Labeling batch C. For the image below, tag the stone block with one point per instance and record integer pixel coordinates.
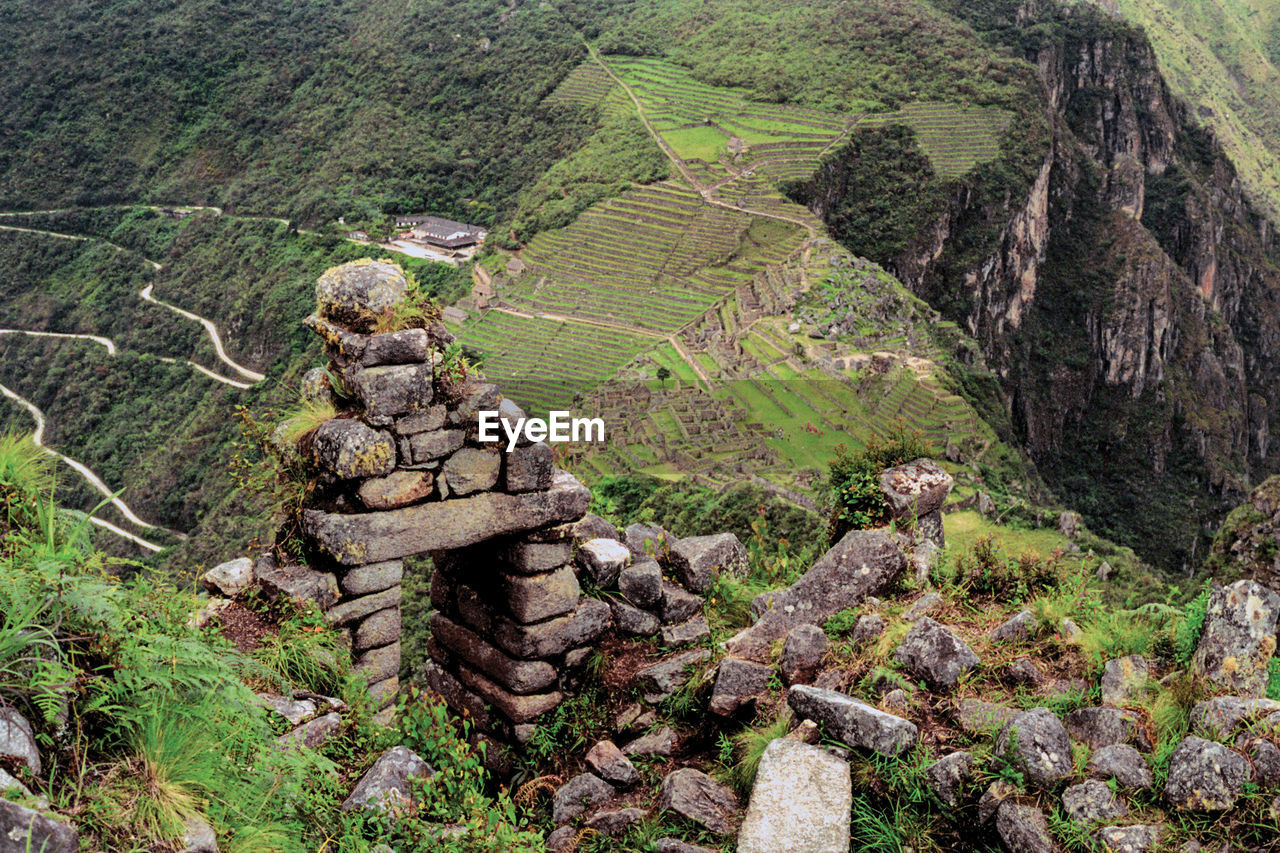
(530, 468)
(678, 604)
(456, 696)
(518, 708)
(641, 583)
(374, 577)
(348, 448)
(299, 584)
(23, 830)
(555, 636)
(230, 578)
(390, 534)
(397, 489)
(379, 664)
(429, 419)
(533, 598)
(533, 557)
(354, 609)
(798, 818)
(518, 676)
(470, 470)
(915, 489)
(393, 390)
(603, 560)
(407, 346)
(377, 629)
(633, 620)
(697, 560)
(427, 446)
(355, 292)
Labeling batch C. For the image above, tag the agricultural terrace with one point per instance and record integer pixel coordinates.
(954, 138)
(543, 364)
(586, 86)
(699, 121)
(652, 259)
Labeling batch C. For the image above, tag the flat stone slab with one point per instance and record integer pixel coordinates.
(376, 536)
(852, 721)
(800, 802)
(518, 676)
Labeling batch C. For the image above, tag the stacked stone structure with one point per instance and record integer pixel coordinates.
(403, 472)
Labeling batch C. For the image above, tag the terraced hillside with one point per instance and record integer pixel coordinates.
(954, 138)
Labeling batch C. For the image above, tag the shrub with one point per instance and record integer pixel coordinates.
(853, 481)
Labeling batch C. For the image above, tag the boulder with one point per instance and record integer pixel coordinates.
(472, 470)
(811, 817)
(647, 540)
(660, 743)
(405, 346)
(1099, 726)
(1023, 829)
(696, 560)
(737, 683)
(1220, 716)
(312, 735)
(24, 830)
(633, 620)
(915, 489)
(386, 783)
(935, 653)
(602, 560)
(678, 604)
(1122, 763)
(1021, 626)
(664, 678)
(1090, 802)
(608, 762)
(641, 584)
(397, 489)
(355, 292)
(1130, 839)
(18, 740)
(390, 391)
(1038, 744)
(852, 721)
(687, 633)
(579, 794)
(230, 578)
(861, 564)
(443, 525)
(1205, 776)
(802, 654)
(1239, 637)
(315, 388)
(948, 775)
(348, 448)
(1124, 680)
(559, 840)
(694, 795)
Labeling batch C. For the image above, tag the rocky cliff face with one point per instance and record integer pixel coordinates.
(1129, 302)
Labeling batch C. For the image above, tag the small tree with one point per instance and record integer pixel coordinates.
(663, 375)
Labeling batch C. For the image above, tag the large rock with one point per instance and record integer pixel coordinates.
(518, 676)
(697, 560)
(198, 837)
(1222, 715)
(694, 795)
(1090, 802)
(391, 391)
(356, 292)
(298, 584)
(518, 708)
(378, 664)
(1239, 637)
(377, 629)
(660, 743)
(1023, 829)
(802, 654)
(737, 683)
(1122, 763)
(1038, 744)
(948, 775)
(426, 447)
(686, 633)
(1124, 680)
(530, 468)
(608, 762)
(861, 564)
(24, 830)
(1018, 627)
(647, 540)
(580, 793)
(554, 636)
(444, 525)
(1205, 776)
(312, 735)
(915, 489)
(348, 448)
(531, 558)
(641, 584)
(664, 678)
(603, 560)
(1099, 726)
(633, 620)
(800, 802)
(386, 783)
(614, 822)
(854, 722)
(678, 604)
(935, 653)
(18, 740)
(230, 578)
(355, 609)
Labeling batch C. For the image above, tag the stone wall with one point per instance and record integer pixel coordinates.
(403, 472)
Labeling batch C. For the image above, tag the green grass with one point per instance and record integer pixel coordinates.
(697, 143)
